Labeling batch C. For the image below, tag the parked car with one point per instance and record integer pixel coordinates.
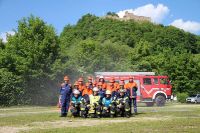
(193, 99)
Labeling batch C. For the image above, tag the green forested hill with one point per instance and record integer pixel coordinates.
(97, 44)
(34, 60)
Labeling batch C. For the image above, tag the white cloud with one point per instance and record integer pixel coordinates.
(3, 35)
(156, 13)
(190, 26)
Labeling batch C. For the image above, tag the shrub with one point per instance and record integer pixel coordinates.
(182, 97)
(11, 90)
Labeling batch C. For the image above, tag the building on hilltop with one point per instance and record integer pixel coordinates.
(129, 16)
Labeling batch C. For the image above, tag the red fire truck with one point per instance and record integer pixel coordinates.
(151, 89)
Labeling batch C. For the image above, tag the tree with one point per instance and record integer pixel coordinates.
(30, 53)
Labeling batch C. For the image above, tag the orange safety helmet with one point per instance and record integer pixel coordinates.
(66, 78)
(80, 80)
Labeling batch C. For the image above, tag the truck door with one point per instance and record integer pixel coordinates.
(146, 87)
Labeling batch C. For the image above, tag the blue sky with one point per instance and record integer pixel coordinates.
(180, 13)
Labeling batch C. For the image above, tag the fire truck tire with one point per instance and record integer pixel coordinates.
(160, 100)
(149, 104)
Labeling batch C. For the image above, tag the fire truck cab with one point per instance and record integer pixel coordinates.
(151, 89)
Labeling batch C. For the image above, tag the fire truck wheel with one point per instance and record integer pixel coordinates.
(149, 104)
(160, 100)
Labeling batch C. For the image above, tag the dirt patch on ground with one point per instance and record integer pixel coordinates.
(90, 122)
(27, 112)
(8, 129)
(75, 123)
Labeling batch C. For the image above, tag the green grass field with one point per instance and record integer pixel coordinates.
(171, 118)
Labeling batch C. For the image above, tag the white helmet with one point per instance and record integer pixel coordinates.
(77, 92)
(108, 92)
(101, 77)
(95, 89)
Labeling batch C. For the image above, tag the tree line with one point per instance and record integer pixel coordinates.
(35, 59)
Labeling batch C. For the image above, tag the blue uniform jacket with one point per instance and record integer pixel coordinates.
(107, 101)
(76, 100)
(65, 93)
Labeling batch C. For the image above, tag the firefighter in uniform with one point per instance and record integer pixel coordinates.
(107, 101)
(85, 100)
(94, 106)
(75, 103)
(116, 85)
(87, 90)
(102, 80)
(131, 88)
(81, 85)
(115, 95)
(101, 91)
(123, 107)
(121, 86)
(112, 88)
(65, 93)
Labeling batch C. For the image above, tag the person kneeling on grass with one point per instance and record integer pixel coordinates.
(123, 107)
(94, 106)
(85, 101)
(107, 105)
(75, 103)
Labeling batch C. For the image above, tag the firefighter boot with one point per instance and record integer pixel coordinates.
(83, 112)
(63, 115)
(127, 110)
(127, 114)
(98, 111)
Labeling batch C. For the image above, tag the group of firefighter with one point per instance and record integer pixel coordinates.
(98, 99)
